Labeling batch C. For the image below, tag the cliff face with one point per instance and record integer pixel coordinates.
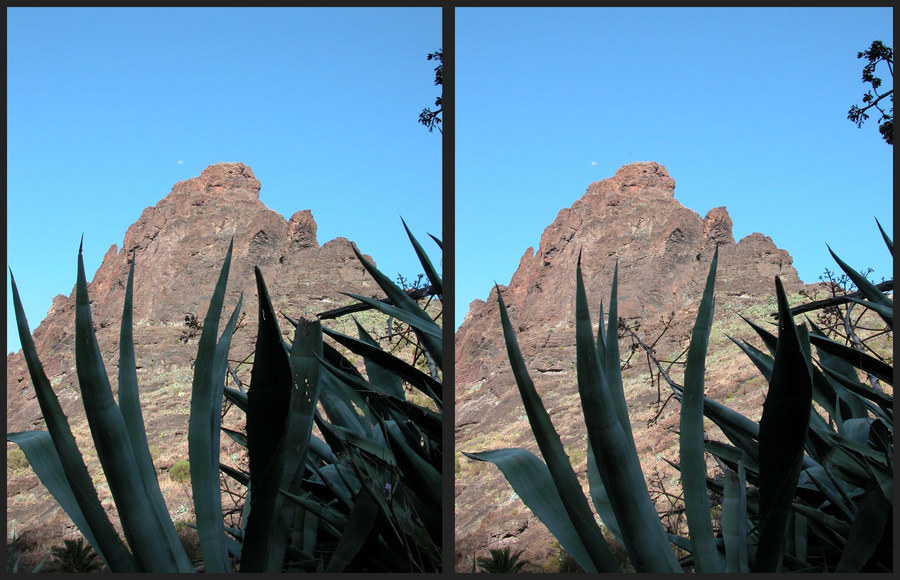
(663, 251)
(179, 245)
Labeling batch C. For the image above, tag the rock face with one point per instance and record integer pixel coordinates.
(663, 251)
(179, 245)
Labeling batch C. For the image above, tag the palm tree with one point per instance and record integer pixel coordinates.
(502, 561)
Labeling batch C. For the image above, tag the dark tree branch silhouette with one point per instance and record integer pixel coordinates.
(876, 53)
(429, 118)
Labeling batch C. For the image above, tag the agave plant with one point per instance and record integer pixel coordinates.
(365, 493)
(368, 494)
(801, 492)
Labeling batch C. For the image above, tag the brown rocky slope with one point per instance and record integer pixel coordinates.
(663, 252)
(179, 244)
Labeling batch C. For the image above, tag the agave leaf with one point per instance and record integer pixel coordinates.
(731, 456)
(372, 482)
(734, 516)
(616, 459)
(378, 375)
(693, 462)
(834, 399)
(830, 488)
(887, 240)
(839, 530)
(410, 309)
(370, 446)
(356, 532)
(237, 397)
(44, 460)
(782, 433)
(857, 429)
(309, 531)
(437, 241)
(393, 365)
(868, 290)
(338, 400)
(568, 488)
(237, 436)
(236, 474)
(426, 327)
(433, 277)
(599, 497)
(130, 404)
(769, 339)
(418, 473)
(268, 398)
(203, 426)
(762, 361)
(884, 402)
(531, 480)
(333, 356)
(611, 364)
(330, 516)
(277, 438)
(108, 543)
(800, 537)
(143, 531)
(428, 420)
(886, 312)
(860, 360)
(740, 430)
(294, 446)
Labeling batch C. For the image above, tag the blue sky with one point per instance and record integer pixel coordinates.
(108, 108)
(746, 108)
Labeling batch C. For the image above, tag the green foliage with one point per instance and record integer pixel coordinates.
(16, 460)
(74, 556)
(180, 471)
(366, 496)
(502, 561)
(801, 491)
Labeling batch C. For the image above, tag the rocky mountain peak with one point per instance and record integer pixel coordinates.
(645, 178)
(663, 251)
(233, 179)
(179, 245)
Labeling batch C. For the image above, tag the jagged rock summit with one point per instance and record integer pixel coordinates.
(179, 246)
(663, 251)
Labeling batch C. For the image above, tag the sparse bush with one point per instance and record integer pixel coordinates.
(15, 459)
(181, 471)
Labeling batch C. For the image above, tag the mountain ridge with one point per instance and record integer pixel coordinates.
(662, 250)
(179, 245)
